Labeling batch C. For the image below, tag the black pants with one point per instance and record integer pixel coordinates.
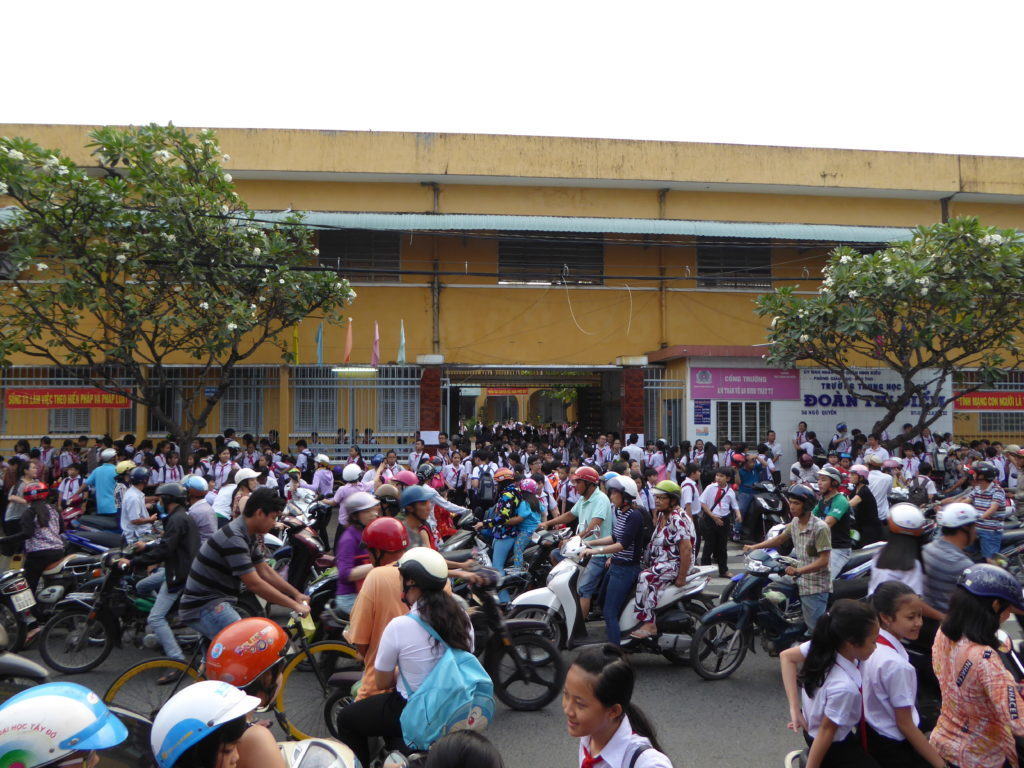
(847, 753)
(891, 753)
(374, 716)
(716, 539)
(35, 564)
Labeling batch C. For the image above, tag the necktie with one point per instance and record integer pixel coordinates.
(589, 761)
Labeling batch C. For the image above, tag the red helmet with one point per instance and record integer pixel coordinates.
(405, 477)
(243, 651)
(386, 534)
(587, 475)
(35, 492)
(504, 475)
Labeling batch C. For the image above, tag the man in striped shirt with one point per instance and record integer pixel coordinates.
(989, 500)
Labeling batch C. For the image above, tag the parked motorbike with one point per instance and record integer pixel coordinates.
(92, 542)
(16, 602)
(764, 601)
(771, 503)
(16, 672)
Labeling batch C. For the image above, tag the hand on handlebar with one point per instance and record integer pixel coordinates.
(300, 609)
(791, 571)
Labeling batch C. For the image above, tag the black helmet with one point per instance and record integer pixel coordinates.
(986, 470)
(425, 471)
(174, 491)
(802, 493)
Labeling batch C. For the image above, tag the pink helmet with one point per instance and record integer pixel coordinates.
(528, 485)
(892, 464)
(860, 469)
(405, 477)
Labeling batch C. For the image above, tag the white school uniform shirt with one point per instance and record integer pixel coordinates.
(689, 495)
(889, 683)
(620, 748)
(725, 505)
(910, 467)
(724, 459)
(489, 467)
(880, 452)
(880, 483)
(68, 487)
(65, 460)
(656, 460)
(838, 699)
(697, 457)
(776, 449)
(645, 499)
(415, 459)
(914, 578)
(602, 454)
(807, 447)
(636, 453)
(169, 474)
(841, 442)
(405, 640)
(221, 472)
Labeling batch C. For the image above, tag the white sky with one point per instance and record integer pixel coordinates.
(927, 76)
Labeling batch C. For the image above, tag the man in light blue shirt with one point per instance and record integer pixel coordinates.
(102, 480)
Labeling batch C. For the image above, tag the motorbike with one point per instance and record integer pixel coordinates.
(771, 504)
(764, 601)
(17, 673)
(537, 558)
(16, 602)
(92, 542)
(303, 554)
(557, 606)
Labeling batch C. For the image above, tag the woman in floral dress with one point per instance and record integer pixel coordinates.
(669, 556)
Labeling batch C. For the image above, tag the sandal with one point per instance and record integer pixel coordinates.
(643, 634)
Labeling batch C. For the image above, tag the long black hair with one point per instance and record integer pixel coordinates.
(614, 685)
(204, 754)
(848, 621)
(972, 617)
(464, 748)
(890, 595)
(900, 552)
(443, 612)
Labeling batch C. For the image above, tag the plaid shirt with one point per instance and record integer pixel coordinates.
(808, 544)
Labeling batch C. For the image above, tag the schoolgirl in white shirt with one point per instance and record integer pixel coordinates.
(825, 700)
(613, 732)
(69, 486)
(890, 684)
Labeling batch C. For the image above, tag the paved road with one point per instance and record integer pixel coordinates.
(733, 723)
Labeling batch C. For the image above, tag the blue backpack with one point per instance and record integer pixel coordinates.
(457, 695)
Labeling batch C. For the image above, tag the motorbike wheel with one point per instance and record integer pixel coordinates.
(718, 649)
(535, 680)
(336, 702)
(555, 627)
(726, 595)
(15, 628)
(71, 643)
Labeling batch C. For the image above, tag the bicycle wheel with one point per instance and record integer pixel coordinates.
(304, 687)
(71, 642)
(137, 688)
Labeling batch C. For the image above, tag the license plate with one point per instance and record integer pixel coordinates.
(23, 600)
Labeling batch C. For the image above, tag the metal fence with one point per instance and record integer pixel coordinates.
(664, 407)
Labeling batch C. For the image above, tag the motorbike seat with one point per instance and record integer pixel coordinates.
(325, 561)
(103, 522)
(857, 559)
(77, 559)
(459, 555)
(109, 539)
(1012, 536)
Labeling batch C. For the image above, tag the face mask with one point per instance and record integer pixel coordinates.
(160, 509)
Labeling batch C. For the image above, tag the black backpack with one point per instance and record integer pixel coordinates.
(916, 493)
(487, 490)
(646, 531)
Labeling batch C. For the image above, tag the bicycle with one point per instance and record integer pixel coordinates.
(298, 712)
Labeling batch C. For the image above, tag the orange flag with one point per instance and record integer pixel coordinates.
(348, 342)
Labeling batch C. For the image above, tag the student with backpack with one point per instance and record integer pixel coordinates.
(484, 489)
(437, 630)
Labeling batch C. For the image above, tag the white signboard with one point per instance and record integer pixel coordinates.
(824, 400)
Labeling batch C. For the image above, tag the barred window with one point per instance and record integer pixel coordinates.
(1013, 381)
(743, 264)
(540, 258)
(68, 421)
(315, 398)
(241, 407)
(362, 255)
(1001, 421)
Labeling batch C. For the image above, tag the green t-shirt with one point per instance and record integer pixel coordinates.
(597, 505)
(839, 508)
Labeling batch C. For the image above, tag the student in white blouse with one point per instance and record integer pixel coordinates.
(613, 732)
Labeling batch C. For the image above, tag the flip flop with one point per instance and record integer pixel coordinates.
(643, 634)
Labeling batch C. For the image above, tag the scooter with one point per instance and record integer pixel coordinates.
(771, 504)
(16, 672)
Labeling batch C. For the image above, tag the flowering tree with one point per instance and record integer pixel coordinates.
(146, 260)
(948, 298)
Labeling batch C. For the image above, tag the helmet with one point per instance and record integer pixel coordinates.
(667, 488)
(906, 518)
(841, 426)
(351, 473)
(246, 474)
(139, 475)
(660, 444)
(624, 485)
(125, 466)
(35, 491)
(986, 580)
(425, 471)
(377, 459)
(504, 475)
(425, 568)
(528, 485)
(437, 461)
(192, 714)
(892, 464)
(405, 477)
(986, 470)
(108, 454)
(738, 459)
(322, 458)
(802, 493)
(387, 491)
(244, 650)
(359, 501)
(196, 483)
(413, 494)
(172, 490)
(831, 473)
(845, 455)
(63, 718)
(587, 475)
(232, 445)
(608, 476)
(293, 471)
(956, 515)
(860, 469)
(386, 534)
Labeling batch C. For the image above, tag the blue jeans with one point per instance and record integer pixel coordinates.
(345, 602)
(989, 542)
(157, 622)
(150, 584)
(213, 618)
(743, 501)
(620, 587)
(502, 549)
(813, 608)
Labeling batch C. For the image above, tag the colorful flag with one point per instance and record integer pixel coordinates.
(401, 343)
(348, 342)
(320, 344)
(375, 356)
(295, 344)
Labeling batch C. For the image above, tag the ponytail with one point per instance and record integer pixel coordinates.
(614, 679)
(848, 621)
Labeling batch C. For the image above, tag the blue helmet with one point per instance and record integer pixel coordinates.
(138, 475)
(984, 580)
(414, 493)
(196, 483)
(802, 493)
(841, 426)
(377, 459)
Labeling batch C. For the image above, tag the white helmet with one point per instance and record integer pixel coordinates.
(246, 474)
(320, 753)
(233, 445)
(906, 518)
(625, 485)
(322, 458)
(192, 714)
(45, 724)
(359, 501)
(108, 454)
(956, 515)
(351, 473)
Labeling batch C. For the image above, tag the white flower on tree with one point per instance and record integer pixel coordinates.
(204, 305)
(41, 266)
(256, 252)
(232, 327)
